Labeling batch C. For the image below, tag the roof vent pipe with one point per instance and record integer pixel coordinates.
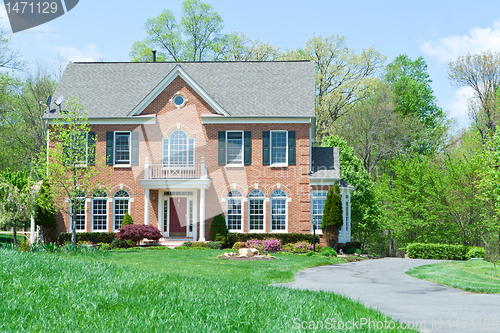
(154, 55)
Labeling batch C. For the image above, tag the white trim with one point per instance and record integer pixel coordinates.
(92, 214)
(129, 150)
(166, 219)
(177, 71)
(319, 231)
(263, 213)
(271, 214)
(242, 149)
(176, 183)
(168, 147)
(70, 213)
(129, 200)
(214, 119)
(322, 181)
(277, 165)
(242, 215)
(136, 120)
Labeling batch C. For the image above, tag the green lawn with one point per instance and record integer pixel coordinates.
(162, 291)
(8, 238)
(476, 276)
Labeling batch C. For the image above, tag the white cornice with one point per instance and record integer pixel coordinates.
(173, 183)
(177, 71)
(137, 120)
(254, 120)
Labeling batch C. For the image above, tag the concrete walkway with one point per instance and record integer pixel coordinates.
(383, 285)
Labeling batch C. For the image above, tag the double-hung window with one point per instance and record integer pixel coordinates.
(318, 205)
(256, 210)
(279, 148)
(81, 213)
(234, 149)
(99, 211)
(234, 211)
(278, 210)
(121, 206)
(122, 148)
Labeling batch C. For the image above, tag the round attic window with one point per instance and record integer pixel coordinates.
(179, 100)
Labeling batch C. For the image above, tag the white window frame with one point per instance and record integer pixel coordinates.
(84, 215)
(242, 149)
(285, 164)
(314, 196)
(263, 198)
(92, 213)
(228, 198)
(123, 165)
(83, 165)
(115, 199)
(168, 140)
(271, 199)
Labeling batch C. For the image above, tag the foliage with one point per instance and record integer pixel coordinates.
(214, 245)
(272, 244)
(364, 204)
(239, 245)
(92, 237)
(284, 238)
(492, 249)
(158, 248)
(198, 244)
(218, 229)
(475, 252)
(255, 244)
(353, 245)
(436, 251)
(302, 247)
(118, 244)
(44, 215)
(8, 58)
(25, 246)
(127, 219)
(137, 232)
(187, 244)
(328, 252)
(332, 215)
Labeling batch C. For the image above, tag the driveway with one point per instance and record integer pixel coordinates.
(383, 285)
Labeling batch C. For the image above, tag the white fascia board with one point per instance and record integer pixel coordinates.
(137, 120)
(323, 181)
(177, 71)
(172, 183)
(254, 120)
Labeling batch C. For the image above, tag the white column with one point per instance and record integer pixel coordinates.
(202, 215)
(146, 207)
(32, 236)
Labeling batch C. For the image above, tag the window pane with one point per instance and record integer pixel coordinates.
(234, 214)
(122, 148)
(80, 215)
(99, 214)
(278, 147)
(278, 214)
(256, 214)
(178, 146)
(234, 148)
(318, 207)
(121, 207)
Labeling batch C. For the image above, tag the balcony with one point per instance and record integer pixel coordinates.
(168, 171)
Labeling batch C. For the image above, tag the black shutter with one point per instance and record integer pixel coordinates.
(248, 148)
(109, 148)
(135, 149)
(91, 147)
(222, 148)
(265, 148)
(291, 148)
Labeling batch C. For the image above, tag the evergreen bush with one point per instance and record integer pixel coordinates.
(127, 220)
(118, 243)
(436, 251)
(218, 230)
(93, 237)
(475, 252)
(332, 216)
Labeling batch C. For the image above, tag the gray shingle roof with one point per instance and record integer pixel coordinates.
(240, 88)
(325, 163)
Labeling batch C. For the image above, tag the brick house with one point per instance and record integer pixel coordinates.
(188, 141)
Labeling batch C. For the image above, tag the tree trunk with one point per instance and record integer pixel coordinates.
(331, 235)
(14, 233)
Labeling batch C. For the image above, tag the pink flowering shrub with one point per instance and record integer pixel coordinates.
(137, 232)
(255, 244)
(303, 247)
(239, 245)
(272, 244)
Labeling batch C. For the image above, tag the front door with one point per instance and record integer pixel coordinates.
(177, 216)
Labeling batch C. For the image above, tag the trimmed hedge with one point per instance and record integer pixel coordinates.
(436, 251)
(284, 238)
(475, 252)
(94, 237)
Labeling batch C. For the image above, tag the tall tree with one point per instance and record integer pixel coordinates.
(8, 58)
(332, 216)
(481, 72)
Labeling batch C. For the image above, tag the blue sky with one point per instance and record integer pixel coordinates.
(438, 30)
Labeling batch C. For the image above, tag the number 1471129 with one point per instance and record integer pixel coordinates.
(32, 7)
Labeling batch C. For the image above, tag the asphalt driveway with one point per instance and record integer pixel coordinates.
(383, 285)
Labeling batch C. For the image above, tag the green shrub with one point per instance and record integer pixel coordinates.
(105, 246)
(198, 244)
(436, 251)
(218, 229)
(182, 248)
(159, 248)
(310, 253)
(118, 244)
(288, 247)
(214, 245)
(187, 244)
(475, 252)
(328, 252)
(25, 246)
(353, 245)
(93, 237)
(332, 215)
(239, 245)
(284, 238)
(127, 219)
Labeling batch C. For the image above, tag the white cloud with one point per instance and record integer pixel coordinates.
(478, 40)
(457, 105)
(71, 53)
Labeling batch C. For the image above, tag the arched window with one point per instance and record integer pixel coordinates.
(278, 210)
(234, 202)
(178, 149)
(99, 210)
(256, 210)
(121, 206)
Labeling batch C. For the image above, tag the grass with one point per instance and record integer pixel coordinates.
(475, 276)
(9, 238)
(127, 291)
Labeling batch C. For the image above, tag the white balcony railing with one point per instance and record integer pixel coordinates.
(166, 171)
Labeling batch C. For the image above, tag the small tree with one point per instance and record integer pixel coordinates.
(16, 200)
(127, 220)
(137, 232)
(332, 216)
(492, 249)
(44, 212)
(218, 229)
(70, 165)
